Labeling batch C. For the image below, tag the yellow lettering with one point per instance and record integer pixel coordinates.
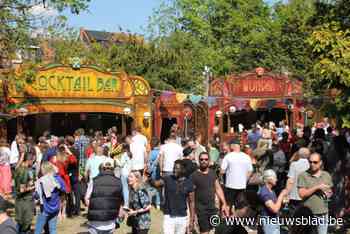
(90, 89)
(51, 85)
(99, 84)
(108, 85)
(60, 83)
(69, 78)
(42, 82)
(77, 84)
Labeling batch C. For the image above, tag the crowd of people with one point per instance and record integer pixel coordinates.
(265, 172)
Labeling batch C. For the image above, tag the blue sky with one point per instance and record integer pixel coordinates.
(108, 15)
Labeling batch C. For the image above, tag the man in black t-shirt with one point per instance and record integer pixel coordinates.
(206, 186)
(178, 193)
(187, 159)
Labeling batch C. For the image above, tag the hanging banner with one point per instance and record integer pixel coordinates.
(254, 103)
(166, 96)
(241, 104)
(181, 97)
(195, 99)
(211, 101)
(270, 104)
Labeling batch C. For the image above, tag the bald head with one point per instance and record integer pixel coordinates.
(315, 156)
(304, 152)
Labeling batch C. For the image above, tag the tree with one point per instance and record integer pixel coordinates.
(18, 20)
(291, 32)
(331, 69)
(243, 34)
(330, 45)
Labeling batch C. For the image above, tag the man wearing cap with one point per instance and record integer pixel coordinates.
(7, 225)
(238, 167)
(104, 199)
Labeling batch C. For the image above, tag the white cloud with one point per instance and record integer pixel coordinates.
(41, 11)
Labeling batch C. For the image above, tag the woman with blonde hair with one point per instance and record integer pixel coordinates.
(48, 189)
(272, 203)
(5, 168)
(139, 217)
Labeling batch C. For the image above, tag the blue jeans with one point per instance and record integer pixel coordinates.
(271, 229)
(270, 226)
(125, 186)
(44, 218)
(322, 226)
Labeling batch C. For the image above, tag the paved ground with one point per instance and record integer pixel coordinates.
(76, 225)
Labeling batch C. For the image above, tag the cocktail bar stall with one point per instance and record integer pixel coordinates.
(62, 98)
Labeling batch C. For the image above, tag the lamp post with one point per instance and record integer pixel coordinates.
(218, 120)
(21, 113)
(146, 119)
(207, 74)
(126, 112)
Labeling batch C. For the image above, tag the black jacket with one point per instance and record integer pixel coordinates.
(106, 197)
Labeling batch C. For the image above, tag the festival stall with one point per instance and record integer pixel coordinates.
(238, 101)
(188, 111)
(78, 91)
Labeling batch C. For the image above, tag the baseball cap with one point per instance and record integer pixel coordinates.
(108, 165)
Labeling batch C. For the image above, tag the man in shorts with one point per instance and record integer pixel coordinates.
(238, 167)
(206, 186)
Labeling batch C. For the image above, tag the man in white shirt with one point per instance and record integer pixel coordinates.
(94, 163)
(138, 138)
(295, 169)
(238, 167)
(169, 153)
(138, 149)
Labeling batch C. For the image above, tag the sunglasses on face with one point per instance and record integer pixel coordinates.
(204, 159)
(314, 162)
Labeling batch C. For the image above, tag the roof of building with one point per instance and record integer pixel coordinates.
(90, 36)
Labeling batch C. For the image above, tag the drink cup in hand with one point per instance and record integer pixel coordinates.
(328, 193)
(324, 187)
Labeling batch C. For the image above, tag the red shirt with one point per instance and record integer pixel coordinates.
(62, 169)
(89, 151)
(286, 147)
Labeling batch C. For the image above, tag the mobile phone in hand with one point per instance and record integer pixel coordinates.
(126, 209)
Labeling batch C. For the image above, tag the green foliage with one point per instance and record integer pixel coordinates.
(331, 68)
(18, 20)
(306, 38)
(242, 34)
